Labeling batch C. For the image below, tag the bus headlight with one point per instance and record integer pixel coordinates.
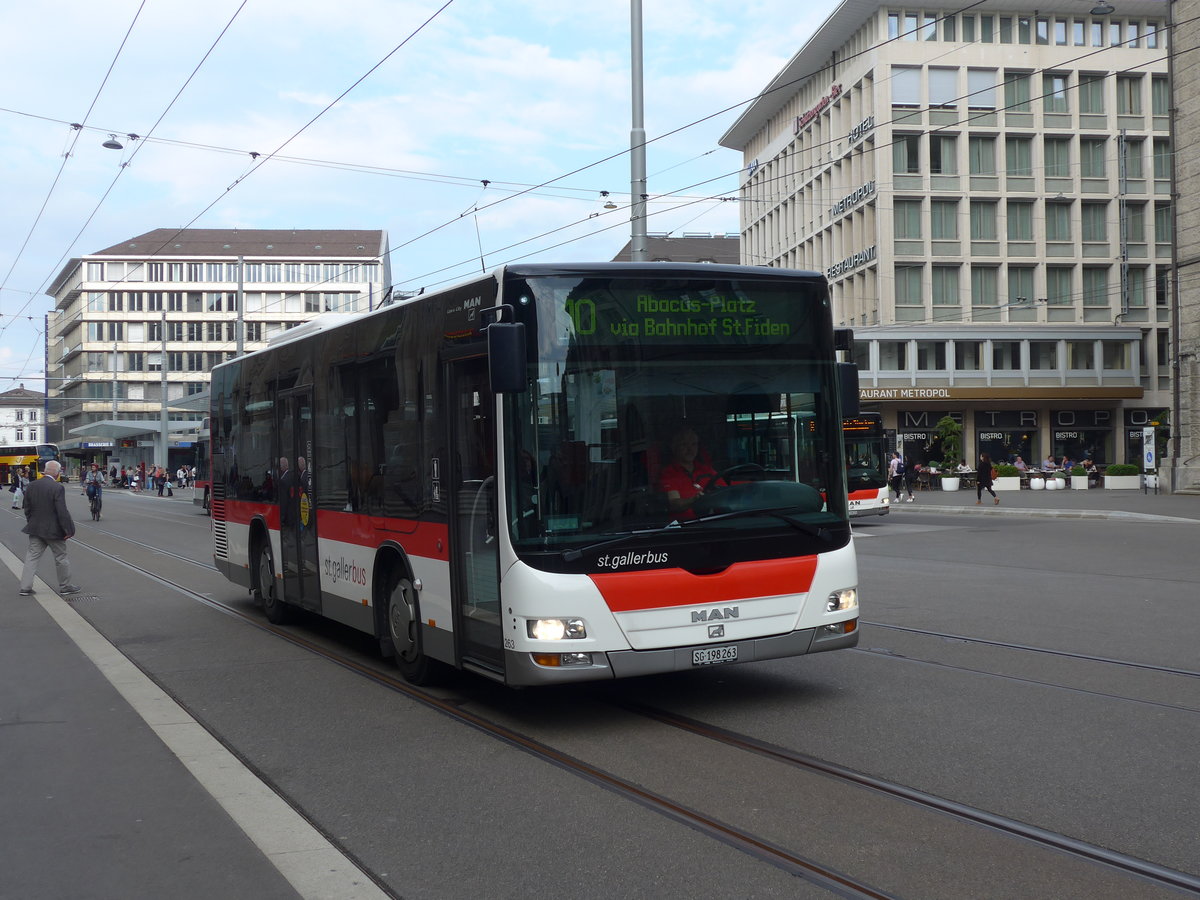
(846, 598)
(556, 629)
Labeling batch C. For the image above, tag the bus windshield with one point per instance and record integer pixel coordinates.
(866, 453)
(696, 405)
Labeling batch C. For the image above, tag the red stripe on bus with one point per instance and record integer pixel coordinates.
(871, 494)
(427, 539)
(242, 512)
(655, 588)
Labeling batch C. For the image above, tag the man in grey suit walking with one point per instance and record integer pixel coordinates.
(48, 524)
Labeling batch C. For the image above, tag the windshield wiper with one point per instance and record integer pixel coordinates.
(818, 531)
(577, 553)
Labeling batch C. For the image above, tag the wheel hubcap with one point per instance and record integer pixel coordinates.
(266, 578)
(401, 621)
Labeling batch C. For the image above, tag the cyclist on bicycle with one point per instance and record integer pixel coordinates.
(93, 483)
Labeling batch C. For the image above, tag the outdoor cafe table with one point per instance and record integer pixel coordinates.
(968, 477)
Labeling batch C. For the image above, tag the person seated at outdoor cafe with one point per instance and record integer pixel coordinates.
(1048, 464)
(1067, 465)
(1089, 466)
(962, 466)
(1020, 464)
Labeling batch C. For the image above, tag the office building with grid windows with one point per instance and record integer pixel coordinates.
(155, 313)
(1185, 349)
(989, 193)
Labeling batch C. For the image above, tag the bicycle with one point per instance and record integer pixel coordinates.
(95, 501)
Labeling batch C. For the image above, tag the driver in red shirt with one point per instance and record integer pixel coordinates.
(686, 477)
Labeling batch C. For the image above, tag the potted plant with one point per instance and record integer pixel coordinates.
(1057, 482)
(949, 434)
(1079, 478)
(1122, 477)
(1008, 478)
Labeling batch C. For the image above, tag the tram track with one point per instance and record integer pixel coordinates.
(743, 840)
(887, 653)
(809, 870)
(1053, 840)
(1066, 654)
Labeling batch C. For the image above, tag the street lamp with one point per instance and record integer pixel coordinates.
(637, 142)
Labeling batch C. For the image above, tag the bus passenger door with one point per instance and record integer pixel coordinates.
(297, 510)
(475, 559)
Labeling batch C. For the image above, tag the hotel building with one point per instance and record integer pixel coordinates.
(989, 193)
(1185, 355)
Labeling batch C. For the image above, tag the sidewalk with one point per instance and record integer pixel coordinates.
(112, 790)
(95, 805)
(1096, 503)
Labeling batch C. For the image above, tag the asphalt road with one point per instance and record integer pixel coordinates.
(1033, 668)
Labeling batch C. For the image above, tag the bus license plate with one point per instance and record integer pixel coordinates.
(711, 655)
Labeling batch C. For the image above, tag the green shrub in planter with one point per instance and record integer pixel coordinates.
(1004, 470)
(1122, 469)
(1078, 472)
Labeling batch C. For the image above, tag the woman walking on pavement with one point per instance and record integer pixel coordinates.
(984, 480)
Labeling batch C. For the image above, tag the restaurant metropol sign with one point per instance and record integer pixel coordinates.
(1016, 392)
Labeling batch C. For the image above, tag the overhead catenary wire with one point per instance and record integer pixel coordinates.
(121, 169)
(77, 130)
(781, 86)
(260, 159)
(657, 138)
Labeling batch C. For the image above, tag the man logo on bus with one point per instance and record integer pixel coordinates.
(710, 615)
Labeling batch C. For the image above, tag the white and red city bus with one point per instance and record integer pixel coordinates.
(477, 476)
(866, 464)
(201, 473)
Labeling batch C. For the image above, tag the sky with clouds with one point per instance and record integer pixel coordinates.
(519, 94)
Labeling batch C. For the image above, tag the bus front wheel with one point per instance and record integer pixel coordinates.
(404, 631)
(266, 587)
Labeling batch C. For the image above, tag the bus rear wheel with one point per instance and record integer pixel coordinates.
(404, 631)
(266, 588)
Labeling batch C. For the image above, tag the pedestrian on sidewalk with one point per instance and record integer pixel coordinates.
(48, 524)
(984, 480)
(898, 476)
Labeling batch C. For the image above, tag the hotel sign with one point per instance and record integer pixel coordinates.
(852, 200)
(805, 120)
(861, 130)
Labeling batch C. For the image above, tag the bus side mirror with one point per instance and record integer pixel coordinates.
(848, 387)
(506, 357)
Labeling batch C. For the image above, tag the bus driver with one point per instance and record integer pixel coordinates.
(685, 478)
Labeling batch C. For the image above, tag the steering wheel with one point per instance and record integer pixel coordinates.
(741, 467)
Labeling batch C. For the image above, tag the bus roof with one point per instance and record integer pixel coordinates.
(328, 321)
(661, 269)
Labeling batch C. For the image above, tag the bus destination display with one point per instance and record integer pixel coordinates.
(716, 318)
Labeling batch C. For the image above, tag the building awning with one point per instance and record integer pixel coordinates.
(127, 428)
(117, 429)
